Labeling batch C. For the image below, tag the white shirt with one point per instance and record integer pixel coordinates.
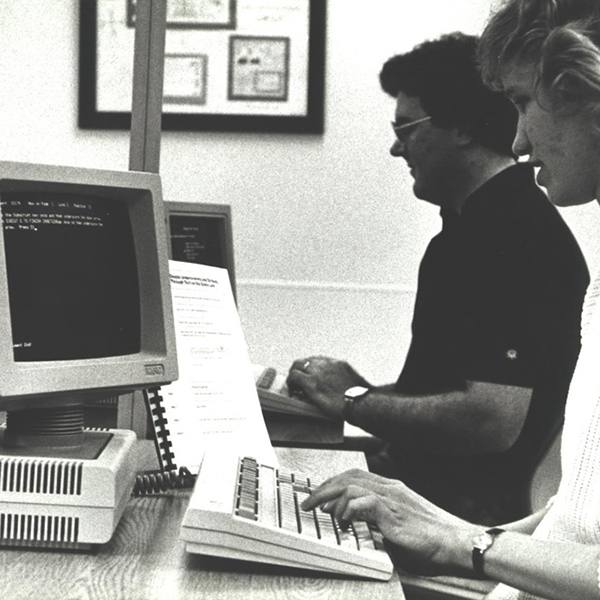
(575, 511)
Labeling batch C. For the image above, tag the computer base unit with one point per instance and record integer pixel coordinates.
(67, 498)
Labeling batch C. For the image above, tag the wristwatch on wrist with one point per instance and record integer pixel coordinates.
(481, 543)
(352, 395)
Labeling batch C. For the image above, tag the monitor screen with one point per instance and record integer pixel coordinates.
(72, 276)
(201, 233)
(85, 307)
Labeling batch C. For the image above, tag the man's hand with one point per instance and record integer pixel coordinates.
(323, 381)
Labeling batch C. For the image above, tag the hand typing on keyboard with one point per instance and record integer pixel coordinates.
(249, 511)
(268, 379)
(419, 529)
(274, 496)
(324, 381)
(275, 396)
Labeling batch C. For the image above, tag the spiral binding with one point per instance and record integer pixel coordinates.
(168, 477)
(155, 482)
(163, 445)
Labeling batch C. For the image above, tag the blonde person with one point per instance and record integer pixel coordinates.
(545, 55)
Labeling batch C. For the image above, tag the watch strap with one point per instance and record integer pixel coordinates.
(348, 410)
(351, 396)
(481, 544)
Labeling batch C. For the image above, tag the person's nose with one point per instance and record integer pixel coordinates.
(521, 145)
(397, 149)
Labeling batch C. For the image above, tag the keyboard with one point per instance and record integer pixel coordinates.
(246, 510)
(274, 395)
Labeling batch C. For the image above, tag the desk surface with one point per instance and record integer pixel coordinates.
(146, 560)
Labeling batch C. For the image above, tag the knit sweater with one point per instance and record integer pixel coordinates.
(574, 515)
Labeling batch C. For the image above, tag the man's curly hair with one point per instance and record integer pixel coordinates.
(444, 75)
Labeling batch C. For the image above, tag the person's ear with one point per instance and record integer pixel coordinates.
(462, 137)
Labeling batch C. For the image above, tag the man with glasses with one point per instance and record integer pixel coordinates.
(495, 331)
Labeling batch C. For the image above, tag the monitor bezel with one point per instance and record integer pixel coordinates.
(156, 363)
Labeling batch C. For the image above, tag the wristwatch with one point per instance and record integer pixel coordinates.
(352, 395)
(481, 544)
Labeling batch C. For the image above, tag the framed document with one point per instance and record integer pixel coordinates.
(258, 68)
(194, 14)
(185, 79)
(230, 65)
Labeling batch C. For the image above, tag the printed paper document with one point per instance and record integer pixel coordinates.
(214, 404)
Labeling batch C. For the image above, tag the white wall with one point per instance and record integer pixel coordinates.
(328, 235)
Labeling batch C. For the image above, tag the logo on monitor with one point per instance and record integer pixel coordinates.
(154, 370)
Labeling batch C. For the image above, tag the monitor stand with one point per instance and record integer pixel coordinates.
(68, 496)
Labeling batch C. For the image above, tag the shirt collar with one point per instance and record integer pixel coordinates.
(512, 180)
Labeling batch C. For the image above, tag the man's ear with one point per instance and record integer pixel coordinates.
(462, 137)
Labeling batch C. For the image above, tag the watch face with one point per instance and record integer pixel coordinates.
(483, 541)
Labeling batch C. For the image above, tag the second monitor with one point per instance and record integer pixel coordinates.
(201, 233)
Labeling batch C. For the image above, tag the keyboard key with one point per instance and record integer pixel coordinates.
(287, 507)
(265, 381)
(347, 538)
(246, 513)
(308, 525)
(363, 535)
(267, 497)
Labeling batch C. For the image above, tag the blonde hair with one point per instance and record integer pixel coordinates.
(558, 39)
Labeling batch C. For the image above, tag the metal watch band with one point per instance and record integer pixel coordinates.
(481, 544)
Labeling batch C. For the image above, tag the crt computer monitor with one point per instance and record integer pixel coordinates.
(85, 313)
(201, 233)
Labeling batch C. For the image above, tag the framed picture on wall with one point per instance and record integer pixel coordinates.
(258, 68)
(195, 14)
(185, 78)
(230, 65)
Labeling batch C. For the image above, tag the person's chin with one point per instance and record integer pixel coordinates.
(418, 190)
(565, 198)
(424, 195)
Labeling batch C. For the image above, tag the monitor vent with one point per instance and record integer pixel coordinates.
(39, 528)
(39, 477)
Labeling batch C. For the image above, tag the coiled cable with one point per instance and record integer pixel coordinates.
(155, 482)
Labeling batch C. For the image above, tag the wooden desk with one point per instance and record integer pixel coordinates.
(146, 560)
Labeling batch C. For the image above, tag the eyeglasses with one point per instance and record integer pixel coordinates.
(400, 130)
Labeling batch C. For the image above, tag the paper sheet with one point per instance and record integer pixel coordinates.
(214, 405)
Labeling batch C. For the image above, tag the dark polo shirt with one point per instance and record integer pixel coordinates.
(499, 300)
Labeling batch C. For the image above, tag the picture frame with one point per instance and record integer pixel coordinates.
(252, 66)
(258, 68)
(187, 75)
(194, 14)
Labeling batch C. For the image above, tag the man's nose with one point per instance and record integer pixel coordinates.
(397, 149)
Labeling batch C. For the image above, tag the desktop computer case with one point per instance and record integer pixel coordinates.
(66, 503)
